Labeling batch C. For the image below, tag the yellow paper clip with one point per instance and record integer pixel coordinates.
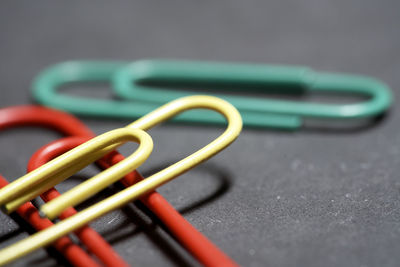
(76, 159)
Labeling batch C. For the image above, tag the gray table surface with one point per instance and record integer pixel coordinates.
(326, 195)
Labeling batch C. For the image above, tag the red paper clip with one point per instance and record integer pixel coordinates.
(68, 125)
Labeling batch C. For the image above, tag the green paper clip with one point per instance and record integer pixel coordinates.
(134, 83)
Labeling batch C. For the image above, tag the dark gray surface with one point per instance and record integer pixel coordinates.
(316, 197)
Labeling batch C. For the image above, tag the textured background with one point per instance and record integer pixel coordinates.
(322, 196)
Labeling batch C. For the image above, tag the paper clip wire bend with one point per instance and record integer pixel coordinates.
(127, 195)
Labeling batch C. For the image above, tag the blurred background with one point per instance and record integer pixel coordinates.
(320, 196)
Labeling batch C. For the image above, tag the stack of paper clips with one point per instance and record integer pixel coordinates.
(144, 91)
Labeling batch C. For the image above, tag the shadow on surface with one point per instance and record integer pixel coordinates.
(219, 174)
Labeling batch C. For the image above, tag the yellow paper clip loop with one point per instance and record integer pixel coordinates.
(56, 206)
(40, 180)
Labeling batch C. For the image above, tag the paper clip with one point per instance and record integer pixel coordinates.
(62, 163)
(64, 123)
(195, 242)
(264, 113)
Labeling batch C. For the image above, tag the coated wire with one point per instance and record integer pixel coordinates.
(71, 251)
(19, 116)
